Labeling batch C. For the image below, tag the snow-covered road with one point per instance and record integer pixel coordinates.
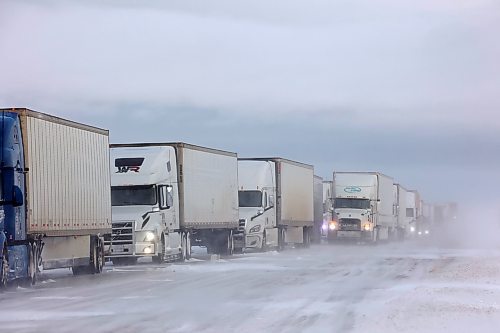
(328, 288)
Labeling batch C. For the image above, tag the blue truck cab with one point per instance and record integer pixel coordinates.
(19, 251)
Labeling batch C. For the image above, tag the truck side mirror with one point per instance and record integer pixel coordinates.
(271, 200)
(17, 196)
(166, 197)
(170, 196)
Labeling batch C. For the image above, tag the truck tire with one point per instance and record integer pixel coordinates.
(4, 273)
(99, 256)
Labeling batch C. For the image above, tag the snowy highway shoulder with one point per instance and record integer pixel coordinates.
(397, 287)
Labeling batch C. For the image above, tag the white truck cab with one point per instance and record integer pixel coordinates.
(276, 202)
(145, 223)
(257, 193)
(363, 206)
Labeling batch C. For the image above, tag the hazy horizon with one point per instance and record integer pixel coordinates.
(407, 89)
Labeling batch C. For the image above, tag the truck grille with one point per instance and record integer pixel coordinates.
(122, 233)
(350, 224)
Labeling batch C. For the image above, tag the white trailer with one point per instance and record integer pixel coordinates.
(62, 207)
(318, 209)
(167, 197)
(363, 206)
(402, 225)
(276, 199)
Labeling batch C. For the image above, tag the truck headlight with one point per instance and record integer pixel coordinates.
(412, 229)
(150, 236)
(333, 225)
(426, 232)
(367, 227)
(255, 228)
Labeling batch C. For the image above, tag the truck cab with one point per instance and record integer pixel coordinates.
(363, 206)
(17, 256)
(145, 221)
(353, 218)
(257, 209)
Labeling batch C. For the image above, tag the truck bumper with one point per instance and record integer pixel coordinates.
(352, 234)
(253, 241)
(132, 250)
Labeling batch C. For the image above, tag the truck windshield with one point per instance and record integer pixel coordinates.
(352, 203)
(250, 198)
(133, 195)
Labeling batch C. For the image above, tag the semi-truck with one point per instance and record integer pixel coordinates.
(168, 197)
(413, 210)
(55, 195)
(402, 225)
(363, 207)
(276, 202)
(318, 209)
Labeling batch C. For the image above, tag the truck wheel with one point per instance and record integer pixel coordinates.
(4, 274)
(99, 256)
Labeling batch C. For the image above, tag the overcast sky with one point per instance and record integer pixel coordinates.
(408, 88)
